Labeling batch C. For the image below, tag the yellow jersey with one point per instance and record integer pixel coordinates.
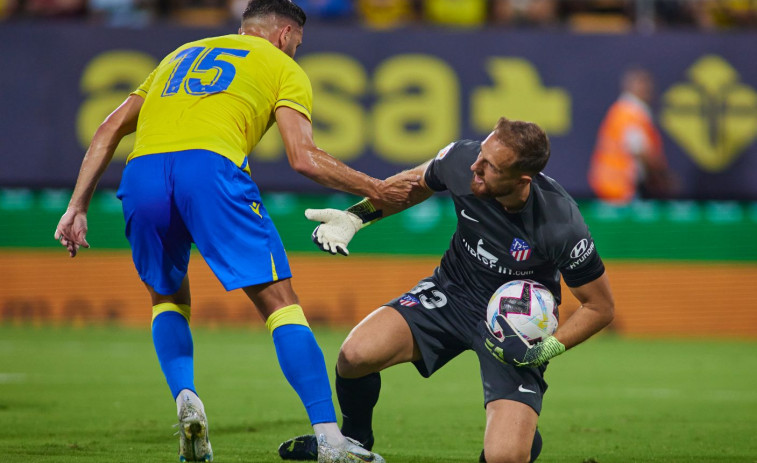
(218, 94)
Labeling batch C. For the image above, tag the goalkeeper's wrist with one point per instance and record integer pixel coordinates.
(366, 212)
(550, 348)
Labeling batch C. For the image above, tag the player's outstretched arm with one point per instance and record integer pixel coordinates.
(72, 227)
(338, 227)
(309, 160)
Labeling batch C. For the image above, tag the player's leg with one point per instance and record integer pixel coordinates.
(510, 432)
(513, 398)
(382, 339)
(420, 326)
(232, 229)
(404, 330)
(300, 357)
(303, 365)
(535, 448)
(172, 338)
(160, 247)
(222, 208)
(379, 341)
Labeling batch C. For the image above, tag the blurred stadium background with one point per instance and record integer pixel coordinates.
(394, 81)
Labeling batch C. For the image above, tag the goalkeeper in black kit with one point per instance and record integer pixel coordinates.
(513, 223)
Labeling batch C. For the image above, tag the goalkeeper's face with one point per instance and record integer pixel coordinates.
(493, 172)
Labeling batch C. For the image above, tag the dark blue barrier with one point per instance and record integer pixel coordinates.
(389, 100)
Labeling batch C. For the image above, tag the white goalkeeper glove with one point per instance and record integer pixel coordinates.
(336, 229)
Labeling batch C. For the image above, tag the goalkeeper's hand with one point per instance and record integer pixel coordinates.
(515, 350)
(336, 229)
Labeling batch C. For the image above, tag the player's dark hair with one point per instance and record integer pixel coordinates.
(285, 8)
(529, 142)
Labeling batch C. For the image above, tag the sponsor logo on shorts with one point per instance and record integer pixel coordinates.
(520, 250)
(409, 301)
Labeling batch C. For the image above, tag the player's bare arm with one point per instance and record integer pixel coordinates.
(309, 160)
(72, 227)
(338, 227)
(595, 312)
(418, 194)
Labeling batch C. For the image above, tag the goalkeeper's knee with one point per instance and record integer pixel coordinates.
(535, 449)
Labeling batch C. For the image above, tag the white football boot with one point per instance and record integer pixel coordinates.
(350, 452)
(194, 444)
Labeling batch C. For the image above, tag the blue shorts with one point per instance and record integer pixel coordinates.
(171, 200)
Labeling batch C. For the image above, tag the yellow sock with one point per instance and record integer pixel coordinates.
(289, 315)
(183, 309)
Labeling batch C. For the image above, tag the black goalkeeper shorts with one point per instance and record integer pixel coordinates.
(443, 326)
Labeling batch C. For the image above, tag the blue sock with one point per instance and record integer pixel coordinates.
(301, 360)
(173, 344)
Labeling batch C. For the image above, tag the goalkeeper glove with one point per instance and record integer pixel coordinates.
(515, 350)
(336, 229)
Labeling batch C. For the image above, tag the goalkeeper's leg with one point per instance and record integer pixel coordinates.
(357, 398)
(510, 432)
(535, 449)
(379, 341)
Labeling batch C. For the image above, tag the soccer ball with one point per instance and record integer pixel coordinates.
(528, 306)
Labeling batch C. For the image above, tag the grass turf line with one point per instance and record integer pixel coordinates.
(97, 395)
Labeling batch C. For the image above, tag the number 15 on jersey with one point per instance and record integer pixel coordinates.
(202, 60)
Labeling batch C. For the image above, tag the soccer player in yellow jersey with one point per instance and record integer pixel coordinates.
(197, 116)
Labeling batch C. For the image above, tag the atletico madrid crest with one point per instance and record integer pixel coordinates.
(520, 250)
(409, 301)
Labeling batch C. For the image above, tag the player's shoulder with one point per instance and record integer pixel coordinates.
(558, 221)
(450, 168)
(458, 151)
(556, 204)
(466, 147)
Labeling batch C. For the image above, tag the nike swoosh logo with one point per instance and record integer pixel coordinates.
(523, 389)
(467, 216)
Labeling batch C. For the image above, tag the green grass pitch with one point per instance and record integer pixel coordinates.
(97, 395)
